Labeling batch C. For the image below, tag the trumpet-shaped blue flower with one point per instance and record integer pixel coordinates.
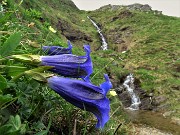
(84, 95)
(69, 65)
(57, 50)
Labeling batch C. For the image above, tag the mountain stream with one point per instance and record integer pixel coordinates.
(104, 43)
(152, 121)
(148, 122)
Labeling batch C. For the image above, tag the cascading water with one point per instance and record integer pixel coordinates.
(129, 85)
(104, 43)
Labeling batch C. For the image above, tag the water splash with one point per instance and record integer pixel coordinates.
(104, 43)
(129, 85)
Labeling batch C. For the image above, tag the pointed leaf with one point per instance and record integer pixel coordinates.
(3, 82)
(36, 75)
(10, 44)
(17, 122)
(15, 70)
(34, 59)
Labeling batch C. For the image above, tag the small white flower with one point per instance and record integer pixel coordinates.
(123, 52)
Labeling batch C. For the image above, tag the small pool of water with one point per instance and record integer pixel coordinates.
(153, 119)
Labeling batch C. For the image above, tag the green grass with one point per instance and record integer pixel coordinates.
(37, 109)
(153, 48)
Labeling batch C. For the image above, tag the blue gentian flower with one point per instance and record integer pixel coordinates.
(70, 65)
(85, 95)
(57, 50)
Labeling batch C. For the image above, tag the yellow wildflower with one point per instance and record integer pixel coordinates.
(52, 29)
(112, 93)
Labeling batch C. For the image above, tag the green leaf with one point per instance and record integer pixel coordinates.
(17, 122)
(43, 132)
(23, 129)
(5, 98)
(13, 126)
(3, 82)
(41, 69)
(5, 18)
(5, 129)
(36, 75)
(10, 44)
(33, 59)
(15, 70)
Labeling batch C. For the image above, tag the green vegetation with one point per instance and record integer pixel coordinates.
(29, 107)
(153, 44)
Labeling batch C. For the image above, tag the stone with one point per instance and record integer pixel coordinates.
(175, 120)
(160, 99)
(168, 114)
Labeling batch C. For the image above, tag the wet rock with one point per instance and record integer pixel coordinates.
(147, 100)
(125, 99)
(160, 99)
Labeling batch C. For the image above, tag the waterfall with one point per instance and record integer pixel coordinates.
(129, 85)
(104, 43)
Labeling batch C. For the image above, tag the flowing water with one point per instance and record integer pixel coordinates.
(104, 43)
(154, 120)
(129, 85)
(149, 118)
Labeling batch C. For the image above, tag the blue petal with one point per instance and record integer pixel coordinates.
(106, 85)
(57, 50)
(83, 95)
(71, 65)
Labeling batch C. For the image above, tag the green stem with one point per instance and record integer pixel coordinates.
(13, 100)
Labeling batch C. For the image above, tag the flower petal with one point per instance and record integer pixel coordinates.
(70, 65)
(57, 50)
(83, 95)
(106, 85)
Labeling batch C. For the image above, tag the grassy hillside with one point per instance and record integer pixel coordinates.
(151, 43)
(27, 106)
